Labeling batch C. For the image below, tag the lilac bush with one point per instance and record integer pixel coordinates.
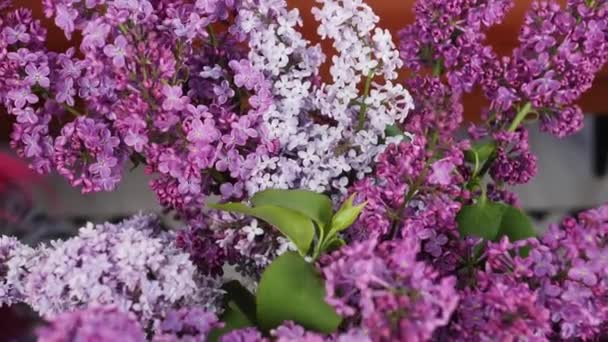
(352, 207)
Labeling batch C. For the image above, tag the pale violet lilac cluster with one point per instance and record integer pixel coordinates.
(133, 266)
(15, 260)
(186, 325)
(329, 132)
(106, 323)
(93, 324)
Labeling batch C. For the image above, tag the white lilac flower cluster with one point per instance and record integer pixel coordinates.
(329, 132)
(133, 266)
(15, 260)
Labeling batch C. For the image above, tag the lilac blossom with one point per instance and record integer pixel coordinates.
(500, 310)
(243, 335)
(394, 296)
(117, 51)
(38, 75)
(321, 117)
(21, 97)
(186, 325)
(97, 265)
(64, 19)
(96, 324)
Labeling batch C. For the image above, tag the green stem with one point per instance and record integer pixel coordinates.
(521, 115)
(178, 64)
(437, 68)
(123, 28)
(320, 243)
(212, 36)
(71, 110)
(363, 109)
(414, 188)
(484, 195)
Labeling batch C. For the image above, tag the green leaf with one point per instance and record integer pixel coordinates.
(313, 205)
(482, 149)
(516, 224)
(292, 290)
(492, 221)
(346, 216)
(480, 219)
(241, 297)
(233, 319)
(334, 244)
(297, 227)
(393, 131)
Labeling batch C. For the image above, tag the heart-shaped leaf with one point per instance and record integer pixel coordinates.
(345, 216)
(313, 205)
(492, 221)
(292, 290)
(480, 219)
(297, 227)
(515, 224)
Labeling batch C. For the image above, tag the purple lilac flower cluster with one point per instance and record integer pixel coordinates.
(186, 325)
(151, 82)
(133, 266)
(223, 239)
(561, 50)
(498, 310)
(565, 271)
(515, 163)
(449, 35)
(94, 325)
(382, 288)
(419, 186)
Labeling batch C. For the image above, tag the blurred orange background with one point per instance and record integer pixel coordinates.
(394, 15)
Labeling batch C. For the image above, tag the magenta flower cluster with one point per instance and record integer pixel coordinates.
(150, 83)
(383, 289)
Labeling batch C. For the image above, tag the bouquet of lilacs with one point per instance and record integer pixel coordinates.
(348, 205)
